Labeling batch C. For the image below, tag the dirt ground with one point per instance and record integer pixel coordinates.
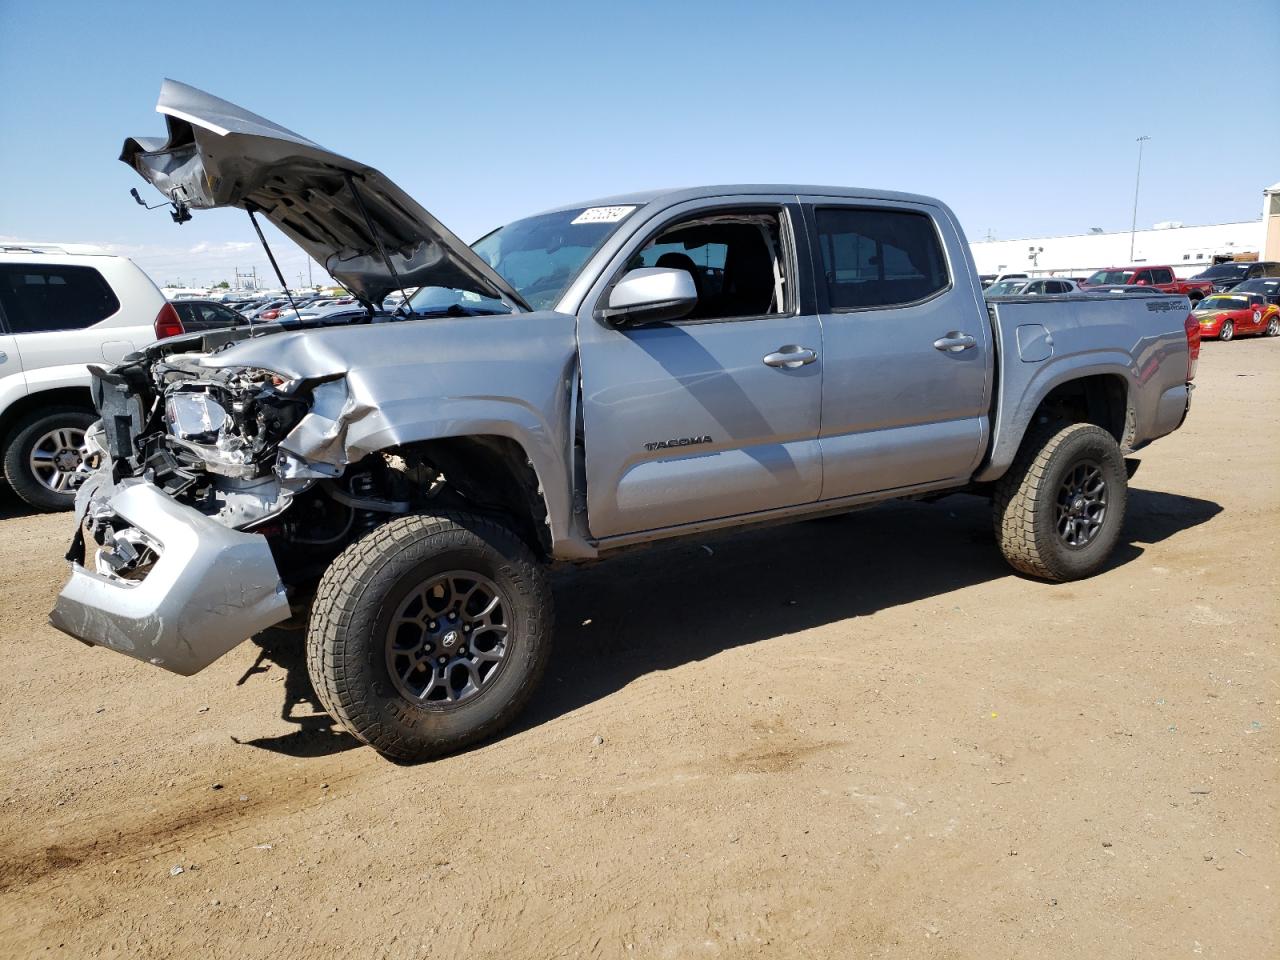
(856, 738)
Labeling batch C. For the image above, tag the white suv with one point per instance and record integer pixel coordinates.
(63, 307)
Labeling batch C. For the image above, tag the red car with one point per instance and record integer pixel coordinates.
(1160, 278)
(1226, 315)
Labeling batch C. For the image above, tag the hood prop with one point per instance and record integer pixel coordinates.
(250, 208)
(382, 251)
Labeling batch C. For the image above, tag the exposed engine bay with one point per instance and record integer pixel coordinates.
(216, 439)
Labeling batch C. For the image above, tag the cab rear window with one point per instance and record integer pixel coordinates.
(35, 299)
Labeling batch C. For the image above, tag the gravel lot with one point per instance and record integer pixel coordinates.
(856, 738)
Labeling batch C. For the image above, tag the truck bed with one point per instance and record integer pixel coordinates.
(1044, 341)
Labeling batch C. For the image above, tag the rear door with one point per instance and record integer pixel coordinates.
(52, 309)
(697, 419)
(12, 383)
(907, 354)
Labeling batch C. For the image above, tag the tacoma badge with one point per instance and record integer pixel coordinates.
(680, 442)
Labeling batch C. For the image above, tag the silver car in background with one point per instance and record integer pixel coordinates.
(1037, 287)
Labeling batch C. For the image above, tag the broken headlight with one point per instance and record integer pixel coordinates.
(231, 420)
(194, 416)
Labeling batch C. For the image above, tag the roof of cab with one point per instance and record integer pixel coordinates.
(675, 195)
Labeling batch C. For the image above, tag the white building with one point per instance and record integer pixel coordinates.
(1187, 249)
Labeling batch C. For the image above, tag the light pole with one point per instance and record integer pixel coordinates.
(1136, 184)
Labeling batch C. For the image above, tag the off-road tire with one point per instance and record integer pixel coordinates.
(358, 596)
(1026, 508)
(18, 444)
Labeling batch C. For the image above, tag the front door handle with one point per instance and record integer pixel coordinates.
(790, 357)
(954, 342)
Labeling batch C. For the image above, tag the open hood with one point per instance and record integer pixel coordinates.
(220, 155)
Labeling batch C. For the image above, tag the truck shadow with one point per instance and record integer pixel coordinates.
(317, 734)
(658, 609)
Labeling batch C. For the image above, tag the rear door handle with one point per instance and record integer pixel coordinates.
(954, 342)
(791, 357)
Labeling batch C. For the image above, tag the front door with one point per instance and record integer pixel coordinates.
(906, 347)
(699, 419)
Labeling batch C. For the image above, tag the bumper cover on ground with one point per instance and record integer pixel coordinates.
(211, 589)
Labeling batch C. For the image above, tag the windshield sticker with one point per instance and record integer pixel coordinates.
(602, 214)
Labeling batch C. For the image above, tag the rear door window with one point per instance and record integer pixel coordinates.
(39, 298)
(879, 257)
(226, 315)
(1164, 275)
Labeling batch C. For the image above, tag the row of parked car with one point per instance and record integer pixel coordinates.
(1228, 299)
(212, 314)
(1261, 277)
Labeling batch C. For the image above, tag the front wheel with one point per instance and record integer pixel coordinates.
(1228, 331)
(1273, 327)
(1059, 509)
(429, 634)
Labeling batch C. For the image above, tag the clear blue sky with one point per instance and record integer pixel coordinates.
(1022, 116)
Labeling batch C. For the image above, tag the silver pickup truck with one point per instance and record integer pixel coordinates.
(598, 376)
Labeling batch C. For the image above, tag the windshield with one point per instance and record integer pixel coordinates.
(1110, 276)
(1224, 303)
(1225, 270)
(539, 256)
(1005, 288)
(1269, 287)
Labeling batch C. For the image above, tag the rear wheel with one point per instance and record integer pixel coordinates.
(430, 634)
(43, 454)
(1228, 331)
(1060, 508)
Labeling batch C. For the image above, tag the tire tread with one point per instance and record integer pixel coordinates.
(350, 584)
(1026, 545)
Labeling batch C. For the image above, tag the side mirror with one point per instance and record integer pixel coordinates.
(650, 295)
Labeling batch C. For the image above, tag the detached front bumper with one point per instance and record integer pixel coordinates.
(211, 588)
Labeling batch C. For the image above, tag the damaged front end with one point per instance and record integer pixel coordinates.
(221, 494)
